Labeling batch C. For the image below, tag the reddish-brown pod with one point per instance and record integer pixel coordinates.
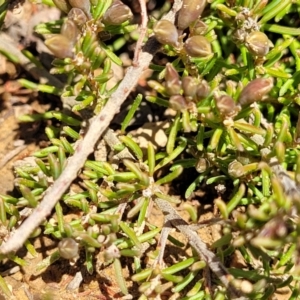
(255, 90)
(190, 12)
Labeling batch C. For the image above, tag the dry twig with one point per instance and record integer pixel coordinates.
(143, 30)
(172, 218)
(97, 126)
(9, 156)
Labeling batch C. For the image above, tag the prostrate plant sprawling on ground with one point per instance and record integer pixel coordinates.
(232, 82)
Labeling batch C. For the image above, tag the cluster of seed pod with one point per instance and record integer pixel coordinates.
(82, 24)
(62, 45)
(79, 46)
(185, 92)
(248, 34)
(255, 91)
(196, 45)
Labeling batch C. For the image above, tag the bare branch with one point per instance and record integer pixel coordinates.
(143, 30)
(97, 126)
(9, 156)
(200, 247)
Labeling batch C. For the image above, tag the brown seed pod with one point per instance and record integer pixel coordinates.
(226, 106)
(258, 43)
(70, 30)
(68, 248)
(171, 73)
(172, 83)
(166, 32)
(189, 12)
(178, 102)
(60, 45)
(255, 90)
(84, 5)
(63, 5)
(117, 14)
(197, 46)
(203, 90)
(189, 86)
(77, 16)
(199, 28)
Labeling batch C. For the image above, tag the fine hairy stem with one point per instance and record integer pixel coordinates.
(97, 127)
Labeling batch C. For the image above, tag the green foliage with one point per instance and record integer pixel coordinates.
(3, 10)
(233, 82)
(79, 51)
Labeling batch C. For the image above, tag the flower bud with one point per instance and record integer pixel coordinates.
(68, 248)
(258, 43)
(178, 103)
(190, 12)
(166, 32)
(70, 30)
(172, 83)
(255, 90)
(60, 45)
(197, 46)
(77, 16)
(117, 14)
(84, 5)
(226, 105)
(63, 5)
(189, 86)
